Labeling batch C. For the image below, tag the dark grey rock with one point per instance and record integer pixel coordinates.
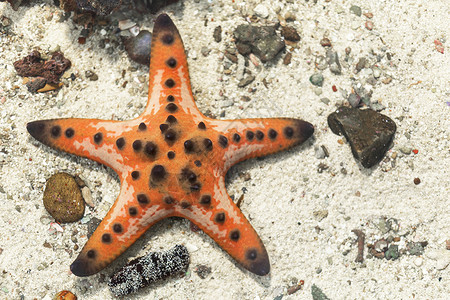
(368, 132)
(333, 62)
(260, 40)
(138, 47)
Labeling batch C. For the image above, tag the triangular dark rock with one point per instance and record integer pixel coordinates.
(368, 132)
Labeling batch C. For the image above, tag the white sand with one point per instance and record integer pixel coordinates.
(285, 189)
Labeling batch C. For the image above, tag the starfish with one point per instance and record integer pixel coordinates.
(171, 161)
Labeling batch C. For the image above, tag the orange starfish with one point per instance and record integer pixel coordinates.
(171, 161)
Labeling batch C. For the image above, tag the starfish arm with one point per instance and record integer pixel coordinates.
(131, 215)
(169, 81)
(94, 139)
(248, 138)
(217, 215)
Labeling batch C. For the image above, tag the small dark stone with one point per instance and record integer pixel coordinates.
(290, 34)
(202, 271)
(368, 132)
(361, 64)
(217, 34)
(246, 81)
(138, 47)
(263, 41)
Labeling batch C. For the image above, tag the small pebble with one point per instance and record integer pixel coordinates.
(356, 10)
(63, 199)
(418, 261)
(416, 180)
(91, 75)
(246, 81)
(369, 25)
(202, 271)
(325, 42)
(217, 34)
(316, 79)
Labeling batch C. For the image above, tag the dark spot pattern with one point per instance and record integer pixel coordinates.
(171, 107)
(55, 131)
(167, 39)
(272, 134)
(142, 199)
(163, 127)
(170, 98)
(150, 149)
(158, 173)
(195, 187)
(171, 62)
(91, 254)
(223, 141)
(142, 126)
(235, 235)
(135, 175)
(171, 119)
(208, 144)
(220, 218)
(250, 135)
(198, 163)
(170, 83)
(69, 132)
(120, 143)
(170, 155)
(201, 126)
(251, 254)
(169, 200)
(137, 145)
(205, 200)
(236, 138)
(170, 135)
(106, 238)
(98, 137)
(288, 132)
(259, 135)
(117, 228)
(132, 211)
(188, 146)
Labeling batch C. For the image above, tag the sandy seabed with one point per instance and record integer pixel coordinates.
(304, 217)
